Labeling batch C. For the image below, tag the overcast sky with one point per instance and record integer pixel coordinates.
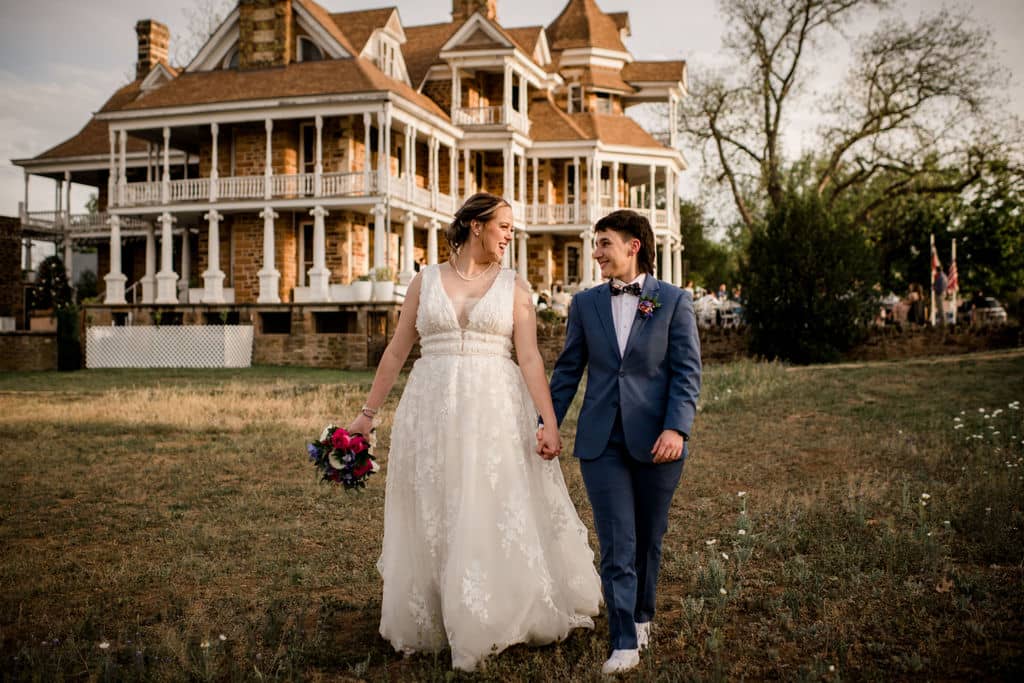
(61, 59)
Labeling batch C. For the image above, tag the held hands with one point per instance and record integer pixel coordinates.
(549, 443)
(668, 447)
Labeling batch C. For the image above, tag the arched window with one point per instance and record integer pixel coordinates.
(308, 50)
(231, 62)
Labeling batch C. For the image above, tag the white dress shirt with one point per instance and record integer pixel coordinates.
(624, 311)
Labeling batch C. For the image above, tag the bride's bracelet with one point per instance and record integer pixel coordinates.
(369, 412)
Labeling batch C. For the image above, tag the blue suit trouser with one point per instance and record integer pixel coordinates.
(631, 500)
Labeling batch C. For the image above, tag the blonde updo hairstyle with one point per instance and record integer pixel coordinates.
(480, 207)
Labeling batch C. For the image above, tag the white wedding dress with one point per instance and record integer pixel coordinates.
(482, 545)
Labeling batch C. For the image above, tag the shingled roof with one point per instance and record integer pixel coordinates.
(614, 130)
(422, 46)
(671, 71)
(328, 77)
(583, 24)
(94, 138)
(526, 36)
(605, 79)
(358, 26)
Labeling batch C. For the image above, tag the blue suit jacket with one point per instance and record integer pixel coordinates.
(655, 382)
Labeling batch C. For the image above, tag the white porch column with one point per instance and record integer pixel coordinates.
(115, 279)
(435, 171)
(523, 100)
(149, 279)
(576, 196)
(122, 175)
(506, 100)
(383, 159)
(165, 185)
(380, 236)
(522, 256)
(522, 178)
(536, 189)
(456, 92)
(432, 227)
(319, 276)
(166, 279)
(506, 173)
(666, 258)
(615, 185)
(412, 164)
(673, 119)
(587, 266)
(318, 169)
(467, 185)
(68, 253)
(268, 171)
(453, 182)
(111, 178)
(650, 198)
(213, 277)
(367, 152)
(677, 265)
(214, 173)
(269, 276)
(186, 265)
(408, 237)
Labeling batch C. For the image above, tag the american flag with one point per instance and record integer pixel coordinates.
(936, 265)
(954, 283)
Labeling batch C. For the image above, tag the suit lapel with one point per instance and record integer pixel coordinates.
(650, 289)
(603, 304)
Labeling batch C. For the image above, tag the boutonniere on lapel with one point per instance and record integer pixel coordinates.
(647, 306)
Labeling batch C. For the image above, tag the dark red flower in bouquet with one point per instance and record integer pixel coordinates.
(366, 467)
(340, 439)
(357, 444)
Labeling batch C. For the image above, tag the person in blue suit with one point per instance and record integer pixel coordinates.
(636, 337)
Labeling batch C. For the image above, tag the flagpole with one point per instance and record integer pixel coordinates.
(931, 286)
(957, 290)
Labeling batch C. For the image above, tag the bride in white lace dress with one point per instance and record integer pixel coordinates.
(483, 548)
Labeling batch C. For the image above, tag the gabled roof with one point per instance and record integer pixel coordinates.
(671, 71)
(548, 123)
(422, 46)
(323, 17)
(582, 24)
(94, 138)
(613, 129)
(526, 37)
(605, 78)
(358, 26)
(329, 77)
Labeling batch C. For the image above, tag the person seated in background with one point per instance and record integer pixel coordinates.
(723, 292)
(543, 300)
(560, 300)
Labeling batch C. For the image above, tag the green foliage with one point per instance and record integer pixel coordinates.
(809, 275)
(87, 286)
(52, 289)
(710, 262)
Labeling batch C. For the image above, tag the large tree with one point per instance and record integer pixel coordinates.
(916, 92)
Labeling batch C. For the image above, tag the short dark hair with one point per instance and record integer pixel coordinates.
(631, 225)
(480, 207)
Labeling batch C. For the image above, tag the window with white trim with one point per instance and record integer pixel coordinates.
(575, 103)
(308, 51)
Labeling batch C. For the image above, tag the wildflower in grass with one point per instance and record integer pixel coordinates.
(722, 591)
(831, 668)
(205, 645)
(741, 532)
(711, 542)
(223, 637)
(981, 410)
(741, 494)
(104, 645)
(725, 556)
(959, 426)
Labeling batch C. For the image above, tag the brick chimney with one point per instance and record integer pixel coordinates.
(266, 34)
(153, 41)
(464, 9)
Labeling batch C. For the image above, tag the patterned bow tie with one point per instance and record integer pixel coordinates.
(632, 288)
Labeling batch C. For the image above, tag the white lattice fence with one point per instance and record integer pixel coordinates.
(169, 346)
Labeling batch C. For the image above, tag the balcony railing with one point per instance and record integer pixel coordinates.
(478, 116)
(78, 223)
(566, 214)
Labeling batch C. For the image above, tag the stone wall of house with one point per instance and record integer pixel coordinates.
(266, 35)
(28, 351)
(10, 267)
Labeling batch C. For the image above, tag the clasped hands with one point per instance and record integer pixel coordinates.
(668, 447)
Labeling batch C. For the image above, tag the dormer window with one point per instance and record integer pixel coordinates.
(603, 103)
(386, 55)
(231, 61)
(308, 51)
(575, 98)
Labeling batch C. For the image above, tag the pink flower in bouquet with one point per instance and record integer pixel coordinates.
(340, 439)
(360, 470)
(357, 444)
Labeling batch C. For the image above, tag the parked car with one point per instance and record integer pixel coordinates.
(986, 311)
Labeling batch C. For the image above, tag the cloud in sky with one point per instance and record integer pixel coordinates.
(61, 60)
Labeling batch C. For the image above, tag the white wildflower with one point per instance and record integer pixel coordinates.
(741, 532)
(104, 645)
(741, 494)
(725, 556)
(711, 542)
(205, 645)
(925, 496)
(722, 591)
(222, 637)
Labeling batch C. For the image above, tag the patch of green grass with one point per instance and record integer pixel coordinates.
(156, 511)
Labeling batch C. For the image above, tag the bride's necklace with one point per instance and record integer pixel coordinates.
(468, 278)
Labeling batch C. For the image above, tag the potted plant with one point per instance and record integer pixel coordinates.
(50, 294)
(383, 284)
(362, 288)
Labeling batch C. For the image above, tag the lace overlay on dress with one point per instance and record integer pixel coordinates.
(482, 545)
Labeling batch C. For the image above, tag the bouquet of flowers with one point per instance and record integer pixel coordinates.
(342, 457)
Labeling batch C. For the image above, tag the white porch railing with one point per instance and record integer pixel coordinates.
(446, 203)
(241, 187)
(478, 116)
(341, 184)
(422, 196)
(139, 194)
(551, 214)
(293, 185)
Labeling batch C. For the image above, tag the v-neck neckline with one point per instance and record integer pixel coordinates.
(451, 303)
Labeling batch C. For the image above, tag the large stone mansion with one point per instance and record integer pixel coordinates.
(301, 149)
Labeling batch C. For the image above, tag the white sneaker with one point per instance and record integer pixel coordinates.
(643, 635)
(621, 661)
